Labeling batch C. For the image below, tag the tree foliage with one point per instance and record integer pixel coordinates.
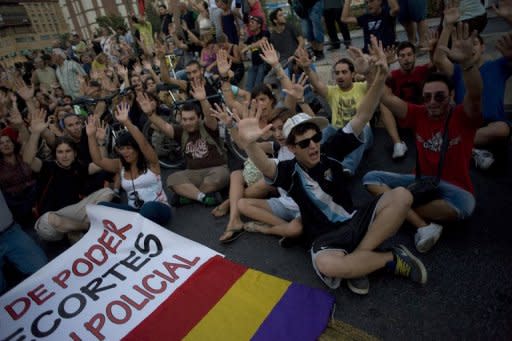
(111, 20)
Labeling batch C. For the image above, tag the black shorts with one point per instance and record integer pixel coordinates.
(349, 234)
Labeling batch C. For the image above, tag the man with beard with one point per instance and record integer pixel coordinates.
(405, 83)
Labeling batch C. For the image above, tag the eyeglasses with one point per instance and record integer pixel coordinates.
(439, 96)
(305, 143)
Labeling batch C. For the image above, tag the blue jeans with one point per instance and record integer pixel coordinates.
(352, 160)
(312, 26)
(155, 211)
(20, 250)
(255, 75)
(460, 200)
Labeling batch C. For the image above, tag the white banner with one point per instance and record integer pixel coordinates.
(104, 285)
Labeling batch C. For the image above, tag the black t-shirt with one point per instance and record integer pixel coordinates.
(320, 192)
(381, 26)
(60, 187)
(285, 42)
(255, 53)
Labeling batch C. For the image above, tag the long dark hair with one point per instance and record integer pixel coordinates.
(126, 139)
(17, 146)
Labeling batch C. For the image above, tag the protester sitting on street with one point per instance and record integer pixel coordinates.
(496, 126)
(406, 83)
(16, 246)
(379, 21)
(343, 240)
(343, 98)
(278, 215)
(60, 205)
(453, 197)
(138, 167)
(16, 179)
(206, 169)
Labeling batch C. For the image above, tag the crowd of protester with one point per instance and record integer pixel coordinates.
(54, 155)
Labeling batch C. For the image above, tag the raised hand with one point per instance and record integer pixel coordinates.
(451, 12)
(137, 68)
(462, 51)
(38, 121)
(249, 128)
(122, 111)
(122, 71)
(504, 9)
(379, 58)
(101, 132)
(504, 45)
(147, 65)
(26, 92)
(223, 63)
(90, 126)
(390, 53)
(269, 54)
(15, 117)
(302, 58)
(197, 89)
(432, 38)
(298, 86)
(147, 105)
(361, 60)
(222, 114)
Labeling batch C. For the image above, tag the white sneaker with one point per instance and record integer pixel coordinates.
(399, 150)
(427, 236)
(483, 158)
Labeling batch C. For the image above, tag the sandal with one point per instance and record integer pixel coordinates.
(256, 226)
(232, 235)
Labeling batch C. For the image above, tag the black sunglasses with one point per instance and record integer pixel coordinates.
(305, 143)
(439, 96)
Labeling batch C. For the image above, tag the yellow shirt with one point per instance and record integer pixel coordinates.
(344, 103)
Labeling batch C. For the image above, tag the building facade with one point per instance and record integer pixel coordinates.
(81, 14)
(29, 25)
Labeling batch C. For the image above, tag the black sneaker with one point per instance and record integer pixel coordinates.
(360, 286)
(333, 47)
(407, 265)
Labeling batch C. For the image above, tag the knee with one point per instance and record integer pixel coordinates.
(325, 264)
(295, 228)
(401, 196)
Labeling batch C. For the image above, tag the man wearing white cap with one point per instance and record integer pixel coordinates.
(342, 240)
(68, 72)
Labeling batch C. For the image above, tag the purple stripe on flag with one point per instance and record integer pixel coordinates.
(301, 314)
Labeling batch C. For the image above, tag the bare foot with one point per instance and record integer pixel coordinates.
(221, 210)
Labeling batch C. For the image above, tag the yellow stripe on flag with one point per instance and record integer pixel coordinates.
(241, 311)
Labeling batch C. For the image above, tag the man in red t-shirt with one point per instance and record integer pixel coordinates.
(455, 200)
(406, 83)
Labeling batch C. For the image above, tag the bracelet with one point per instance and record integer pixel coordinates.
(467, 68)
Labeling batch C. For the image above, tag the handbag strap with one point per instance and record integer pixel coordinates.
(444, 148)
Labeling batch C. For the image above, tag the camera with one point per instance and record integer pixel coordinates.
(137, 202)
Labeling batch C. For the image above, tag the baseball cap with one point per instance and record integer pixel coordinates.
(301, 118)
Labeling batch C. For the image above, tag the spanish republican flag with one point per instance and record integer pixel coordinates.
(227, 301)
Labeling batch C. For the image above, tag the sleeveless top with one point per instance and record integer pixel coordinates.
(148, 186)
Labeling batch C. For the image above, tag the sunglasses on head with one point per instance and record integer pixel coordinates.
(439, 96)
(305, 143)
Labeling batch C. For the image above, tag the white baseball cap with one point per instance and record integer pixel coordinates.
(301, 118)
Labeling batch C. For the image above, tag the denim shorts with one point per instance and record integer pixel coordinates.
(412, 10)
(281, 210)
(462, 201)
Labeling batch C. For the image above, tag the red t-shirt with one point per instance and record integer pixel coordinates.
(429, 135)
(409, 86)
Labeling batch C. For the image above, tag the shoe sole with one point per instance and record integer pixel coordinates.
(357, 290)
(418, 263)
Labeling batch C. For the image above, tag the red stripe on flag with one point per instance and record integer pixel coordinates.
(178, 314)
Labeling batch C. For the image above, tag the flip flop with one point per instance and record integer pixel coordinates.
(235, 234)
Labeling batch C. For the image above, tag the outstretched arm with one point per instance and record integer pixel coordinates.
(148, 106)
(37, 126)
(302, 58)
(249, 132)
(147, 150)
(440, 58)
(504, 10)
(110, 165)
(462, 53)
(370, 100)
(346, 15)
